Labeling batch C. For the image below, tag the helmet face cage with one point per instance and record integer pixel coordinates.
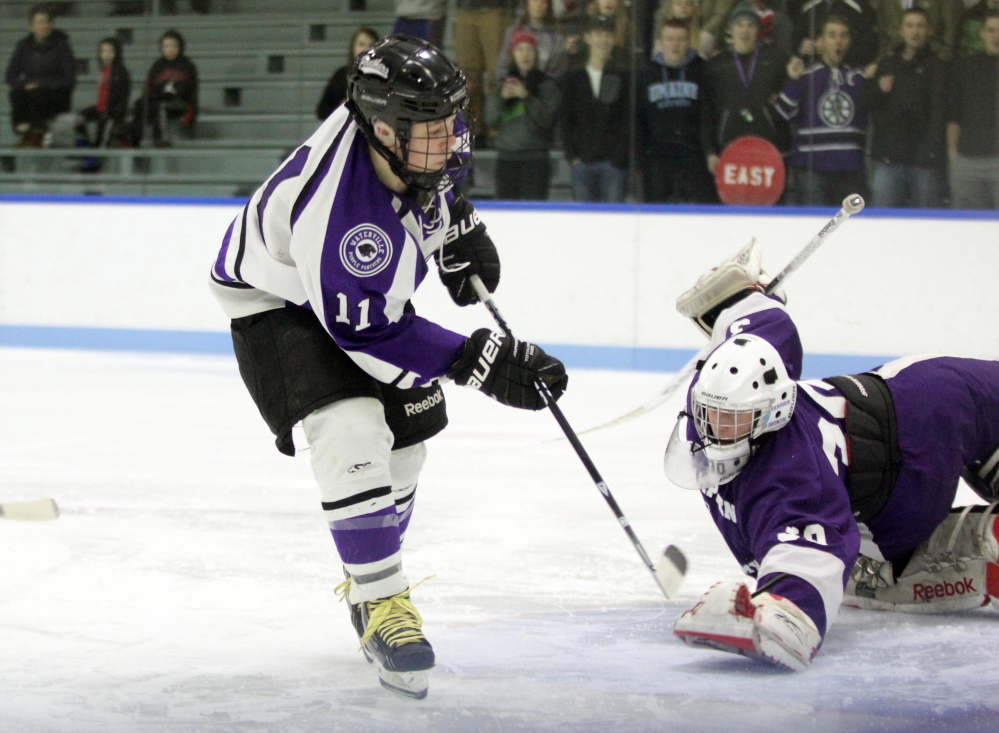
(415, 167)
(404, 82)
(721, 423)
(742, 392)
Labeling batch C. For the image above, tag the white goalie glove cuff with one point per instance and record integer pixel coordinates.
(742, 273)
(768, 628)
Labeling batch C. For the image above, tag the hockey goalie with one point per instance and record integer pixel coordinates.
(829, 492)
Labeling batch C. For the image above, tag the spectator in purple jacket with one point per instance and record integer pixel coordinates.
(822, 102)
(41, 75)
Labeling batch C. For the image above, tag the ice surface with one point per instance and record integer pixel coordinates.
(188, 584)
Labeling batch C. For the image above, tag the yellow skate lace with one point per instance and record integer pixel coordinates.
(342, 590)
(395, 619)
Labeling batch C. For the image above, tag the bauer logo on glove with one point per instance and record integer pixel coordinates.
(490, 348)
(507, 370)
(467, 251)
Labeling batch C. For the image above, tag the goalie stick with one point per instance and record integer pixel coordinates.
(36, 510)
(852, 204)
(673, 564)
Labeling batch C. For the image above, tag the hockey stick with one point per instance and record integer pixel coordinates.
(852, 204)
(37, 510)
(673, 565)
(769, 584)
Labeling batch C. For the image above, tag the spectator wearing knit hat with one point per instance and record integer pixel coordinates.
(743, 83)
(524, 114)
(776, 27)
(535, 16)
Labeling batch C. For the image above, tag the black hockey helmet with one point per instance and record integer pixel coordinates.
(403, 80)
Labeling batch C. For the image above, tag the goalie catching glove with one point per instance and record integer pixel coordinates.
(768, 627)
(724, 286)
(506, 369)
(467, 251)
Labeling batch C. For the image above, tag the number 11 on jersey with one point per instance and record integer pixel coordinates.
(343, 307)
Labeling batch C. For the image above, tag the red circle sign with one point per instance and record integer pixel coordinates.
(750, 171)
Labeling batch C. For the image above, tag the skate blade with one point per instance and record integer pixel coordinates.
(411, 684)
(39, 510)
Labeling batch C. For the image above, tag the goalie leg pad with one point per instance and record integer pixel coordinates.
(768, 628)
(955, 570)
(989, 535)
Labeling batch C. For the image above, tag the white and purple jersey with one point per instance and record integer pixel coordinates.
(789, 510)
(323, 232)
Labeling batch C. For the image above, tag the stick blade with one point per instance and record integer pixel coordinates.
(38, 510)
(671, 569)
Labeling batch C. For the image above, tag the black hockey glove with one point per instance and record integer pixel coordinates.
(505, 369)
(467, 251)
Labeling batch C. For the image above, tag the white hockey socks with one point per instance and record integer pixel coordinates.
(768, 628)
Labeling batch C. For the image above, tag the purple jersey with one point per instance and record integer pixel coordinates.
(789, 510)
(830, 125)
(325, 233)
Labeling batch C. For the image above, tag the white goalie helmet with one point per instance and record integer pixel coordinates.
(743, 391)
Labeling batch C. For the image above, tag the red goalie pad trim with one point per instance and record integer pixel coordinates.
(719, 641)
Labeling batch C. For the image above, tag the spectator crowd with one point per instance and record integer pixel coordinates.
(41, 75)
(895, 99)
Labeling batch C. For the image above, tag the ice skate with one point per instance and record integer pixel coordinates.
(391, 637)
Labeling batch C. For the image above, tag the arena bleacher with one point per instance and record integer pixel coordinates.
(262, 68)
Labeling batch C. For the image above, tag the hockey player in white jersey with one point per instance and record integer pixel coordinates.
(316, 274)
(830, 491)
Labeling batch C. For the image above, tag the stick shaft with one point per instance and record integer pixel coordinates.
(486, 297)
(847, 210)
(769, 584)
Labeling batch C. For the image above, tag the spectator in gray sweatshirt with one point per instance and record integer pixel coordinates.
(524, 115)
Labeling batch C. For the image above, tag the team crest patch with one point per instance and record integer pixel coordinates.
(365, 250)
(836, 108)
